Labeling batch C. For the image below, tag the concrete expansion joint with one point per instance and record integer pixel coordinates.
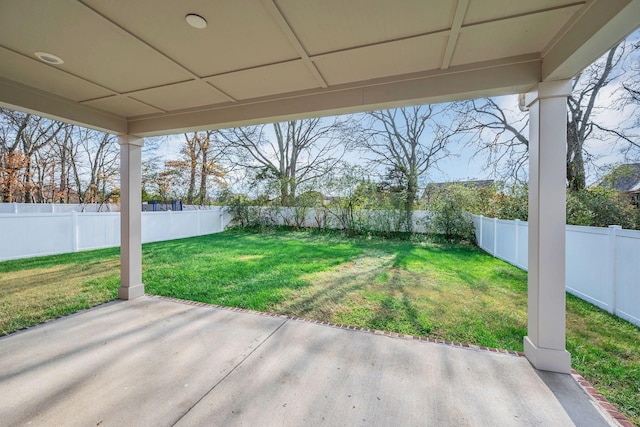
(232, 369)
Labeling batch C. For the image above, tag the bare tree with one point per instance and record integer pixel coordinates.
(189, 177)
(296, 153)
(95, 166)
(21, 137)
(630, 99)
(210, 150)
(190, 152)
(45, 161)
(201, 153)
(581, 107)
(12, 173)
(408, 141)
(38, 135)
(500, 131)
(498, 134)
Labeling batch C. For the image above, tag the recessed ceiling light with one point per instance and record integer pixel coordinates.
(196, 21)
(49, 58)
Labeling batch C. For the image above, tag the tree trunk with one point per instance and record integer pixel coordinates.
(27, 182)
(192, 182)
(412, 190)
(284, 191)
(575, 162)
(204, 172)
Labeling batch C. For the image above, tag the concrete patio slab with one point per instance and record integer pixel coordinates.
(156, 362)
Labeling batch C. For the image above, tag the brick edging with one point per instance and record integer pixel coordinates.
(583, 383)
(601, 400)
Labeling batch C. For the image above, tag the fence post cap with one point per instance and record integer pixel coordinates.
(616, 227)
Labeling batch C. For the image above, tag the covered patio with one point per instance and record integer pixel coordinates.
(153, 361)
(145, 68)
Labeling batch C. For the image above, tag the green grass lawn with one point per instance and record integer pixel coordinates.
(457, 293)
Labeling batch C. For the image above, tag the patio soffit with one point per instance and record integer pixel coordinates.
(137, 67)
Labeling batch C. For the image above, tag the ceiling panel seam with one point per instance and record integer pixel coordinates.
(444, 32)
(253, 67)
(448, 31)
(233, 99)
(520, 16)
(286, 29)
(567, 28)
(148, 45)
(146, 103)
(378, 82)
(122, 96)
(458, 18)
(129, 92)
(200, 81)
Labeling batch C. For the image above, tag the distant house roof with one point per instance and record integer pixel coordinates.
(623, 178)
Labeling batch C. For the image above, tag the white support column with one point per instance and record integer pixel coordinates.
(545, 344)
(131, 285)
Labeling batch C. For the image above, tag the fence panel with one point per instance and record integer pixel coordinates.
(588, 271)
(627, 275)
(167, 225)
(97, 230)
(602, 264)
(505, 243)
(522, 260)
(488, 237)
(35, 235)
(212, 221)
(55, 207)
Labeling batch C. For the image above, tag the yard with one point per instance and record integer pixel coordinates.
(456, 293)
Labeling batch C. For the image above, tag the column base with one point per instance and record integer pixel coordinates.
(546, 359)
(130, 292)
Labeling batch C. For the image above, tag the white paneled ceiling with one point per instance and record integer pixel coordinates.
(137, 66)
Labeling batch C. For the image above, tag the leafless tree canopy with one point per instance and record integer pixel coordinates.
(409, 142)
(292, 154)
(192, 175)
(630, 98)
(500, 132)
(581, 108)
(46, 161)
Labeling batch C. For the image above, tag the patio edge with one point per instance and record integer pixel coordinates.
(602, 401)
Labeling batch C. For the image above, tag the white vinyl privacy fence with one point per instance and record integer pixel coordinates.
(37, 234)
(602, 264)
(56, 207)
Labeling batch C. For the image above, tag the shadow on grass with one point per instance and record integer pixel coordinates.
(77, 258)
(239, 269)
(333, 290)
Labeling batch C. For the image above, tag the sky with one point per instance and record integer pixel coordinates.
(460, 165)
